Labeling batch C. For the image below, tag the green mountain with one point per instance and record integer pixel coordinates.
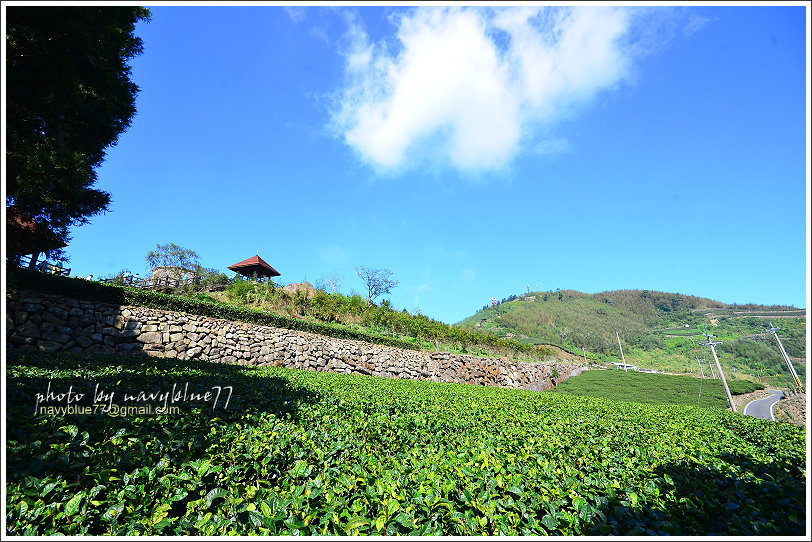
(658, 330)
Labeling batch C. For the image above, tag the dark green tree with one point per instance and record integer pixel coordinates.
(68, 97)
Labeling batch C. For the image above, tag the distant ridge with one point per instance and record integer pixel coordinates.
(663, 327)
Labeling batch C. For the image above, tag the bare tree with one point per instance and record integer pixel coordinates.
(377, 281)
(330, 282)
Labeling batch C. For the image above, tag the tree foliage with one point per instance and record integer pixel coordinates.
(68, 97)
(377, 281)
(174, 256)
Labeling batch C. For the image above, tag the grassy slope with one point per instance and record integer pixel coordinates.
(299, 452)
(652, 326)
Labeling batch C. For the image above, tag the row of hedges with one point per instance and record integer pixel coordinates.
(419, 327)
(379, 319)
(122, 295)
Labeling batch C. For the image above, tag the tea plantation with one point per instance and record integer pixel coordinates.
(308, 453)
(658, 389)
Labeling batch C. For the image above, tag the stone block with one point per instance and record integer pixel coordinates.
(53, 318)
(59, 312)
(87, 319)
(150, 337)
(84, 341)
(128, 348)
(28, 329)
(49, 346)
(192, 352)
(56, 336)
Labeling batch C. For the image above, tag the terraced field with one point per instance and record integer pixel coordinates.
(299, 452)
(655, 389)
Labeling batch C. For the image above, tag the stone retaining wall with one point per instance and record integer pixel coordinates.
(54, 323)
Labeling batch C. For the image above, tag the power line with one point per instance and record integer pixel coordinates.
(712, 345)
(774, 331)
(626, 367)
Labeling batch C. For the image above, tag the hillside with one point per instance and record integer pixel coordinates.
(658, 330)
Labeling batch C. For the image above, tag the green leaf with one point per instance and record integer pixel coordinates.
(356, 523)
(215, 493)
(72, 506)
(113, 512)
(549, 521)
(300, 469)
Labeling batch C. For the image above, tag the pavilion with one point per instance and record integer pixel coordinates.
(255, 267)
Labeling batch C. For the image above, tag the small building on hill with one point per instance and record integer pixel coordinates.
(255, 268)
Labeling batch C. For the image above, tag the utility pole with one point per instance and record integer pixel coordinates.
(774, 331)
(699, 362)
(712, 345)
(626, 367)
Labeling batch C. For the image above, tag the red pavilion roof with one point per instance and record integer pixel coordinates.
(253, 265)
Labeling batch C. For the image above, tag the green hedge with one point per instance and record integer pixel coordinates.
(78, 288)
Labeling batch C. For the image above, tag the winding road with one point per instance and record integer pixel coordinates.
(763, 408)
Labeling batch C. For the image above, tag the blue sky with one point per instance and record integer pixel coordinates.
(474, 152)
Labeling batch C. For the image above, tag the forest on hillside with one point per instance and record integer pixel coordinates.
(656, 329)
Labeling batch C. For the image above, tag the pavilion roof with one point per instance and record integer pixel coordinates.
(254, 265)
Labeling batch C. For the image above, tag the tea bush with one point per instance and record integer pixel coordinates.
(658, 389)
(307, 453)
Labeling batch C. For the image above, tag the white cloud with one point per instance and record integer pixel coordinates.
(296, 14)
(695, 24)
(320, 34)
(468, 275)
(474, 84)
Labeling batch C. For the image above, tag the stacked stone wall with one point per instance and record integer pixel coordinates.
(55, 323)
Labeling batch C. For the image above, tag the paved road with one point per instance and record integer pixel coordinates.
(763, 408)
